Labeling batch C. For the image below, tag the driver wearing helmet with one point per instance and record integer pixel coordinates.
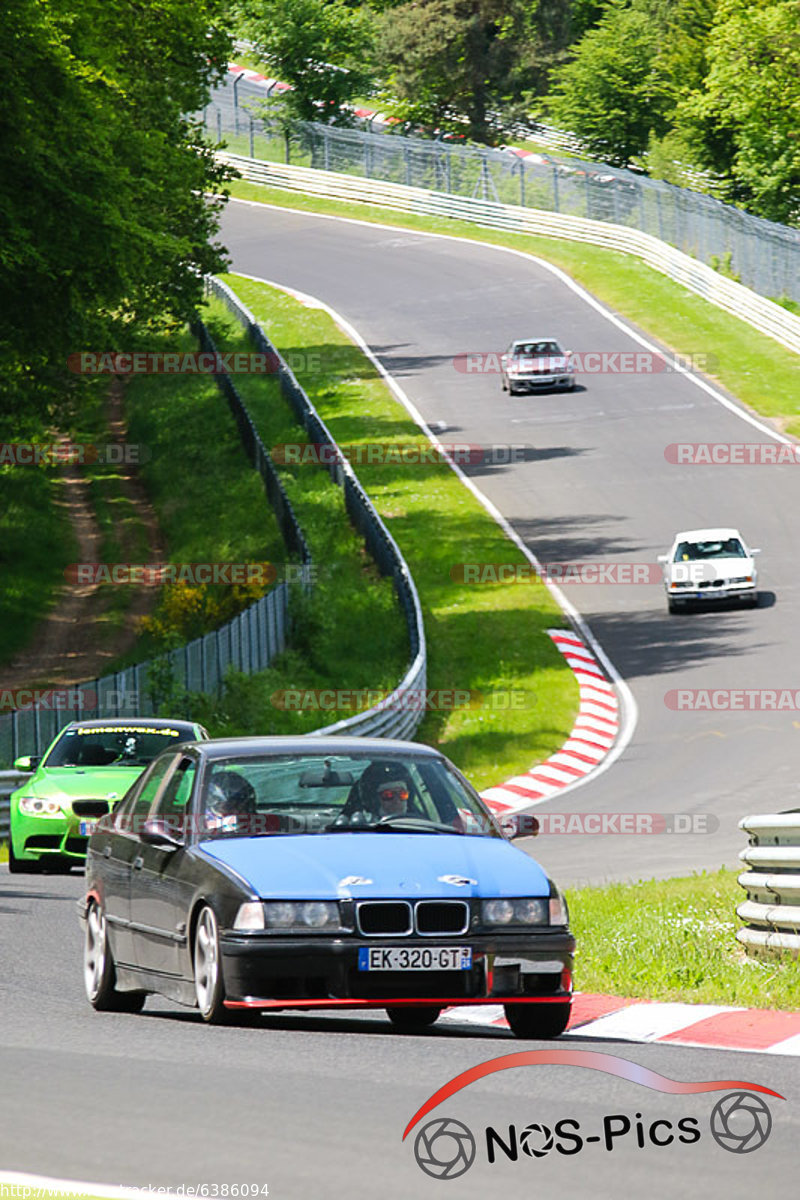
(392, 798)
(229, 798)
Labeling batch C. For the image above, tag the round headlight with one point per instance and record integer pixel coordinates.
(318, 913)
(498, 912)
(531, 912)
(281, 914)
(36, 806)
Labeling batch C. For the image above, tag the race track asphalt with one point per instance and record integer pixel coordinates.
(595, 486)
(316, 1106)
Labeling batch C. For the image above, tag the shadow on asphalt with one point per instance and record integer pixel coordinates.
(655, 643)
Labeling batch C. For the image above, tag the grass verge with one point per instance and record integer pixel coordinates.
(674, 939)
(210, 503)
(490, 640)
(754, 368)
(349, 633)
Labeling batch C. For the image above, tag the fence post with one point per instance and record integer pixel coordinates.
(236, 101)
(252, 139)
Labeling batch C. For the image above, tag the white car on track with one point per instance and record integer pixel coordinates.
(709, 565)
(536, 362)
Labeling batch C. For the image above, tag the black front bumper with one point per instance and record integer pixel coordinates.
(272, 972)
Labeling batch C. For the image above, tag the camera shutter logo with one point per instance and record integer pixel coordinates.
(444, 1148)
(536, 1140)
(741, 1122)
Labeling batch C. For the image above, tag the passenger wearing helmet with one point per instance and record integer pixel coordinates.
(229, 797)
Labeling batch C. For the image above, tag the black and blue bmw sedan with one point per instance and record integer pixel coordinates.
(305, 873)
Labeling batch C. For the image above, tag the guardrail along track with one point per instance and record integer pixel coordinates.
(772, 884)
(735, 298)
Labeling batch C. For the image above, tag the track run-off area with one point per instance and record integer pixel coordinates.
(316, 1106)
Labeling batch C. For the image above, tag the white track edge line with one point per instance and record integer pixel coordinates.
(628, 706)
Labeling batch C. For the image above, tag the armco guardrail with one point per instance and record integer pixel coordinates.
(735, 298)
(9, 782)
(772, 883)
(400, 713)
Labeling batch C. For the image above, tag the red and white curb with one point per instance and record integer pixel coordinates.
(593, 734)
(274, 85)
(716, 1026)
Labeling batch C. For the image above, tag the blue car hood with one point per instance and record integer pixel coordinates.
(365, 865)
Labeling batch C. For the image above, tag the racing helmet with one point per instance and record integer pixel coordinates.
(230, 794)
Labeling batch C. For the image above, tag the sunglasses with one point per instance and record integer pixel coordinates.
(393, 793)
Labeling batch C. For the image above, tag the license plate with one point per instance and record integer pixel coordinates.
(414, 958)
(87, 828)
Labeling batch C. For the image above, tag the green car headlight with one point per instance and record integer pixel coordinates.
(532, 910)
(302, 916)
(36, 806)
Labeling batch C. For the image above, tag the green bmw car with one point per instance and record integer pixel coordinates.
(81, 777)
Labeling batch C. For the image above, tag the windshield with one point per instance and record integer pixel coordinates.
(114, 745)
(696, 551)
(536, 349)
(338, 794)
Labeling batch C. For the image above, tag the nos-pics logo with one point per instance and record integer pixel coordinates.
(445, 1148)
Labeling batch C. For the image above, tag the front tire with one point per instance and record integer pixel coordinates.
(209, 989)
(99, 972)
(414, 1020)
(22, 866)
(538, 1020)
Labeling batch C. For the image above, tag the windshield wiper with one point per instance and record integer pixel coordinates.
(398, 824)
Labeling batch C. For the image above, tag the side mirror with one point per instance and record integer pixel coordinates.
(663, 558)
(516, 825)
(28, 762)
(753, 551)
(159, 833)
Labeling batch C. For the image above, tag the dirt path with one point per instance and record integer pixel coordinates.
(74, 642)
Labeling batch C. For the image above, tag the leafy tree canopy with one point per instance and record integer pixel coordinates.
(105, 224)
(320, 47)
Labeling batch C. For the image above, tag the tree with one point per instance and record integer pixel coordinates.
(105, 224)
(745, 117)
(450, 62)
(321, 48)
(613, 94)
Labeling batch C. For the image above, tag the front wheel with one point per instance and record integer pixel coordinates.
(538, 1020)
(412, 1020)
(208, 986)
(22, 866)
(99, 972)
